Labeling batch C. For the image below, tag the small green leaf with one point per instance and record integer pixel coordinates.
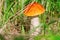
(52, 22)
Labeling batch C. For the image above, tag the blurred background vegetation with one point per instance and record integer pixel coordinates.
(14, 24)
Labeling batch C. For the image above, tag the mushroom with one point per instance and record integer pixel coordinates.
(33, 10)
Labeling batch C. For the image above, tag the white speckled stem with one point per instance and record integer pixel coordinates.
(34, 26)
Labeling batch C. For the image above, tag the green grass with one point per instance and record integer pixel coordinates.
(12, 12)
(2, 37)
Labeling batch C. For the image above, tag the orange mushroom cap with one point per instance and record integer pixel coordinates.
(34, 9)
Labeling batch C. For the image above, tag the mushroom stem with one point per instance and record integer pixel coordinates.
(35, 26)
